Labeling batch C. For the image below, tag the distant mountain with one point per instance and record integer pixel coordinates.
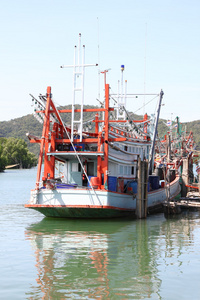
(19, 127)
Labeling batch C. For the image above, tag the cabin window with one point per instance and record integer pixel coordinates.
(140, 152)
(132, 170)
(125, 148)
(125, 170)
(129, 170)
(143, 153)
(74, 167)
(121, 169)
(90, 168)
(147, 152)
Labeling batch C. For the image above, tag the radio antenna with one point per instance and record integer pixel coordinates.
(144, 102)
(99, 72)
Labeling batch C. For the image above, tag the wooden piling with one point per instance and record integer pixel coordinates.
(169, 148)
(142, 190)
(199, 183)
(185, 177)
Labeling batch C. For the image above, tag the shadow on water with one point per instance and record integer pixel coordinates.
(90, 258)
(49, 225)
(105, 259)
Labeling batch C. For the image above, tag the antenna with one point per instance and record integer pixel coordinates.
(78, 87)
(144, 103)
(121, 98)
(99, 72)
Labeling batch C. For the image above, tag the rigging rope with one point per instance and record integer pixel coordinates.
(77, 156)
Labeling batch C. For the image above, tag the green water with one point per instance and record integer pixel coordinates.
(45, 258)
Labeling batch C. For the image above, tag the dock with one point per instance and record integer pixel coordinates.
(11, 166)
(190, 190)
(192, 201)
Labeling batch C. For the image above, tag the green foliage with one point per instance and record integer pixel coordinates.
(15, 151)
(3, 160)
(18, 128)
(193, 126)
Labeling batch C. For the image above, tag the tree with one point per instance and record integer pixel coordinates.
(3, 161)
(15, 151)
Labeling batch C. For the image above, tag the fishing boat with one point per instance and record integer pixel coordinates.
(100, 167)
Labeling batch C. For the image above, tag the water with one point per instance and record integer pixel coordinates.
(43, 258)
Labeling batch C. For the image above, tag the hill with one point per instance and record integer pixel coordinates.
(18, 128)
(193, 126)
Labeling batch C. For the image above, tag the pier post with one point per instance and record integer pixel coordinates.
(185, 177)
(169, 148)
(141, 204)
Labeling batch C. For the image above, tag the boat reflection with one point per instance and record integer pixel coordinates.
(104, 259)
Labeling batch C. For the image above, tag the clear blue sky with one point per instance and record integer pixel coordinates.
(36, 37)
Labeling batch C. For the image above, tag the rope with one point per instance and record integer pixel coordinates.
(145, 104)
(78, 157)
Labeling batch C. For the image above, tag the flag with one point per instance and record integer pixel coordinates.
(168, 123)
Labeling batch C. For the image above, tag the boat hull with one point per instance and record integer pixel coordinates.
(88, 203)
(82, 212)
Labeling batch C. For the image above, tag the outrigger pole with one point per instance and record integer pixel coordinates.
(44, 135)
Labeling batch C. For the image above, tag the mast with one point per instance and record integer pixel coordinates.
(151, 161)
(121, 98)
(106, 126)
(78, 88)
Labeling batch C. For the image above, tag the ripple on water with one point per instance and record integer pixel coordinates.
(156, 258)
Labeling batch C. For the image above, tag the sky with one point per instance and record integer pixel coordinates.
(157, 41)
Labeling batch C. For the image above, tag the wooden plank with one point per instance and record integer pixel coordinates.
(11, 166)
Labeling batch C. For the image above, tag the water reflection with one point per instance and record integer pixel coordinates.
(106, 259)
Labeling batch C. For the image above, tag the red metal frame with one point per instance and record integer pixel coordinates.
(55, 136)
(44, 135)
